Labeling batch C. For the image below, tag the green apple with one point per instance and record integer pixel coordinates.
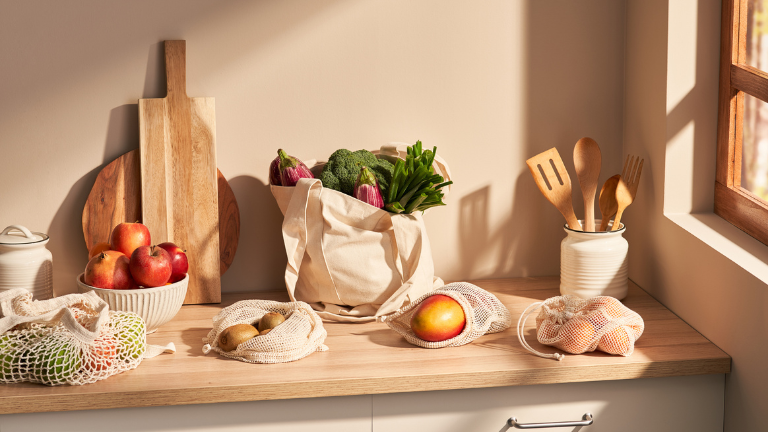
(131, 336)
(9, 357)
(53, 360)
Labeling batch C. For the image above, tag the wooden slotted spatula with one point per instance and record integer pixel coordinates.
(179, 202)
(553, 181)
(587, 161)
(626, 190)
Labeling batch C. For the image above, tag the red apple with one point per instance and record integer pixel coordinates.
(150, 266)
(438, 318)
(109, 269)
(126, 237)
(103, 354)
(179, 263)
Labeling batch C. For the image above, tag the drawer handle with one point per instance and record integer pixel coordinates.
(586, 420)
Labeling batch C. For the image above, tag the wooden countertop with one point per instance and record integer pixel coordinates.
(370, 358)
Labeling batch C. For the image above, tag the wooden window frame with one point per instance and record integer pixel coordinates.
(733, 203)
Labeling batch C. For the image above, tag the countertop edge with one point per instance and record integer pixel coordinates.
(360, 387)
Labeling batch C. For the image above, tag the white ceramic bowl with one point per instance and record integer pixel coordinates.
(156, 305)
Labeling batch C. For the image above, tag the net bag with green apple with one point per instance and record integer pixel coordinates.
(266, 331)
(453, 315)
(73, 339)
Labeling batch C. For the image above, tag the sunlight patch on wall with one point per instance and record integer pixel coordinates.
(679, 168)
(681, 55)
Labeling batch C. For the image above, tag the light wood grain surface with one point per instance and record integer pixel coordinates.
(116, 197)
(372, 359)
(178, 176)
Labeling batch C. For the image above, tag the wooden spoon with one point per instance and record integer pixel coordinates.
(627, 187)
(608, 204)
(624, 199)
(587, 159)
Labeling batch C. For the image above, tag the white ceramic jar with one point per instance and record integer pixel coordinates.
(25, 262)
(594, 263)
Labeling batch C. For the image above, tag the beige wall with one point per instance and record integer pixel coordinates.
(705, 270)
(490, 83)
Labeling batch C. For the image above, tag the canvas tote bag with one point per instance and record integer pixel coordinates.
(349, 260)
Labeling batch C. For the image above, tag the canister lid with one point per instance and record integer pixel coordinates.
(17, 234)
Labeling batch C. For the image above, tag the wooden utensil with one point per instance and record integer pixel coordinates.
(607, 201)
(179, 200)
(626, 190)
(116, 197)
(587, 160)
(553, 181)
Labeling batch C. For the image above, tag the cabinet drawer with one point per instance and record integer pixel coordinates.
(653, 404)
(333, 414)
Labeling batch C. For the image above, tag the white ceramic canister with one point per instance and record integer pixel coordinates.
(25, 262)
(594, 263)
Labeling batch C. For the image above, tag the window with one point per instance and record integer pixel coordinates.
(741, 187)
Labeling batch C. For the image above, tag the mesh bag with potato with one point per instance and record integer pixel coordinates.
(265, 331)
(576, 325)
(483, 314)
(73, 339)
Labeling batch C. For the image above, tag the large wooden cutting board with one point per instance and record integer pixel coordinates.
(116, 198)
(179, 201)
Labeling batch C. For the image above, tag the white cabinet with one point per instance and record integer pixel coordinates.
(693, 403)
(335, 414)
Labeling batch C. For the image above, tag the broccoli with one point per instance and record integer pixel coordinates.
(340, 173)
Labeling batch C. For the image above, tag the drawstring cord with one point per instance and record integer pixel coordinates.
(521, 324)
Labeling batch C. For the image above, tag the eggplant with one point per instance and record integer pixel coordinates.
(367, 188)
(291, 169)
(274, 172)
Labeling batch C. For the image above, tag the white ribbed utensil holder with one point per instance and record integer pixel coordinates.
(594, 263)
(156, 305)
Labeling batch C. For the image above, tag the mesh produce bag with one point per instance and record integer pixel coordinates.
(576, 326)
(483, 312)
(300, 335)
(73, 339)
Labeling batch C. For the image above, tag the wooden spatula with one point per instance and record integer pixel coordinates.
(608, 205)
(179, 200)
(553, 181)
(587, 161)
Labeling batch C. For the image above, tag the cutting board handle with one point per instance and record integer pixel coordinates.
(176, 67)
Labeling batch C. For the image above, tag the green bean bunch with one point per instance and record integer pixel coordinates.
(415, 186)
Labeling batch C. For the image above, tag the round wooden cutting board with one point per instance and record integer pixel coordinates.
(116, 198)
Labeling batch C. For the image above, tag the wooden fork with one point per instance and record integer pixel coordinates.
(626, 190)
